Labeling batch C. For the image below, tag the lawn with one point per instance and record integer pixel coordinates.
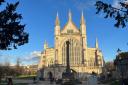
(25, 76)
(115, 82)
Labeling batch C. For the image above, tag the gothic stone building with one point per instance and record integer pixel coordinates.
(82, 58)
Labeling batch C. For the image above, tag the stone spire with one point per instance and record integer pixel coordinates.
(57, 23)
(96, 45)
(45, 45)
(84, 37)
(82, 19)
(82, 25)
(70, 16)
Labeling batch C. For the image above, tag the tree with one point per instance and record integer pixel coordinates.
(121, 63)
(6, 71)
(18, 68)
(1, 1)
(11, 30)
(18, 62)
(109, 66)
(120, 14)
(121, 56)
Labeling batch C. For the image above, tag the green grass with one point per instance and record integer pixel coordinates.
(3, 82)
(115, 83)
(25, 76)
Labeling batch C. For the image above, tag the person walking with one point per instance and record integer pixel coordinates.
(34, 79)
(10, 81)
(51, 77)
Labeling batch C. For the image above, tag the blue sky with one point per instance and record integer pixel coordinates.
(39, 17)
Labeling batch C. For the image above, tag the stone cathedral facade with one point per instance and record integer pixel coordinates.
(82, 58)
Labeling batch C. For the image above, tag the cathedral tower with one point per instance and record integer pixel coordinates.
(57, 34)
(83, 37)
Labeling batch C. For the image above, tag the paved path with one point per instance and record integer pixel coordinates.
(30, 82)
(48, 83)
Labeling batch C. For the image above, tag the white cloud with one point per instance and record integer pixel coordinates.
(116, 3)
(12, 64)
(31, 58)
(126, 1)
(36, 53)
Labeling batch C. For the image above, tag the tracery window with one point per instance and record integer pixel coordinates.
(75, 52)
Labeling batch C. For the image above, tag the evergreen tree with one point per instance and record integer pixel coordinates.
(11, 30)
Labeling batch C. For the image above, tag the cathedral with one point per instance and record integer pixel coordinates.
(83, 59)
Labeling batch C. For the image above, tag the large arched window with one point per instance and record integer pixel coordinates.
(75, 52)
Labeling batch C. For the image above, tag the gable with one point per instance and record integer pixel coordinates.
(70, 28)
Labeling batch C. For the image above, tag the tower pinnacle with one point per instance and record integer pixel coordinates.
(57, 23)
(70, 15)
(82, 18)
(82, 25)
(96, 43)
(45, 45)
